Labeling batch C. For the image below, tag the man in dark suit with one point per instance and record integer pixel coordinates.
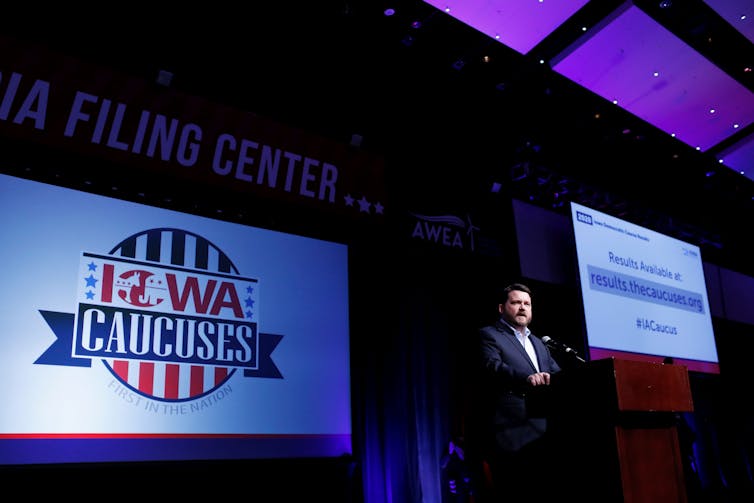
(513, 362)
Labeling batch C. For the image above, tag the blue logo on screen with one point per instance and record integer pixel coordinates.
(584, 218)
(172, 326)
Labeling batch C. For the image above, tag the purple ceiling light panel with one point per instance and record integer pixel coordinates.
(739, 13)
(739, 157)
(518, 24)
(632, 60)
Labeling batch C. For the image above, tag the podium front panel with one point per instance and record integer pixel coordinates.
(614, 422)
(647, 386)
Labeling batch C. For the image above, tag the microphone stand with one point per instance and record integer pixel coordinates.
(575, 355)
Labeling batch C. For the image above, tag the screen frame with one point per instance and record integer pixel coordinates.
(72, 447)
(596, 350)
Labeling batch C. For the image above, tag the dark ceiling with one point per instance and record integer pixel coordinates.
(448, 124)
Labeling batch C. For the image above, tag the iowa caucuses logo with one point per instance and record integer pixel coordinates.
(168, 314)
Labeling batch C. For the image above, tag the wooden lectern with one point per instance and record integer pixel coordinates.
(614, 423)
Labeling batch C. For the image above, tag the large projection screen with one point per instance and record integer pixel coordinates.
(644, 293)
(134, 333)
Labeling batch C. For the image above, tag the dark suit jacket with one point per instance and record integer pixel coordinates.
(505, 366)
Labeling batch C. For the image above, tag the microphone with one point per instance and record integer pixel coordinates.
(549, 341)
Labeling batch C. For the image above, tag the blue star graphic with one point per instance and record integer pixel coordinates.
(91, 281)
(364, 205)
(92, 266)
